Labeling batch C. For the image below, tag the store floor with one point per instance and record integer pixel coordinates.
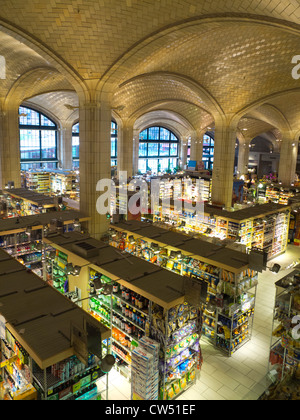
(242, 376)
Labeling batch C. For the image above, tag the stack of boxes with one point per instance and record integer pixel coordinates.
(144, 370)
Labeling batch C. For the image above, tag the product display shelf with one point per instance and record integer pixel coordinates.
(38, 181)
(127, 320)
(234, 331)
(51, 346)
(64, 182)
(285, 343)
(178, 330)
(228, 322)
(145, 370)
(280, 195)
(14, 370)
(24, 202)
(126, 341)
(169, 260)
(52, 182)
(68, 379)
(251, 226)
(225, 289)
(56, 270)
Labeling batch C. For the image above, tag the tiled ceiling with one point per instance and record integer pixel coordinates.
(189, 58)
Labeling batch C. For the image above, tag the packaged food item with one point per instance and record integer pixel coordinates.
(182, 383)
(191, 375)
(170, 393)
(176, 387)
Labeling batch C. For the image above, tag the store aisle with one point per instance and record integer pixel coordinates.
(242, 376)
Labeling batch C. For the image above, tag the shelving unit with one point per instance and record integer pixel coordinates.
(23, 202)
(52, 365)
(141, 293)
(22, 239)
(65, 183)
(285, 347)
(265, 226)
(231, 285)
(38, 181)
(278, 194)
(52, 182)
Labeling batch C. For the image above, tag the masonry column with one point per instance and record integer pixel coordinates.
(197, 147)
(125, 149)
(95, 150)
(244, 154)
(10, 147)
(136, 143)
(224, 156)
(184, 152)
(288, 159)
(66, 146)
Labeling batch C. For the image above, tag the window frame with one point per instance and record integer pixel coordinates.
(208, 152)
(40, 128)
(146, 138)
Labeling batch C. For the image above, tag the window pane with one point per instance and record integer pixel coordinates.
(27, 166)
(174, 149)
(173, 163)
(30, 144)
(29, 117)
(206, 151)
(164, 149)
(164, 134)
(144, 135)
(153, 133)
(114, 129)
(173, 137)
(206, 140)
(152, 165)
(153, 149)
(164, 164)
(49, 165)
(46, 122)
(75, 128)
(75, 147)
(143, 150)
(113, 148)
(48, 144)
(142, 165)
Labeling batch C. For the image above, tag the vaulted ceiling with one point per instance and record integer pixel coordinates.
(190, 60)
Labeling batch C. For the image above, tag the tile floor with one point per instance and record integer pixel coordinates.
(242, 376)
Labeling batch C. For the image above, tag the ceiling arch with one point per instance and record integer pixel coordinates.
(55, 102)
(170, 120)
(35, 82)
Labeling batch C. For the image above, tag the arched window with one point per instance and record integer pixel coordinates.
(76, 141)
(114, 143)
(38, 140)
(158, 150)
(75, 145)
(208, 152)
